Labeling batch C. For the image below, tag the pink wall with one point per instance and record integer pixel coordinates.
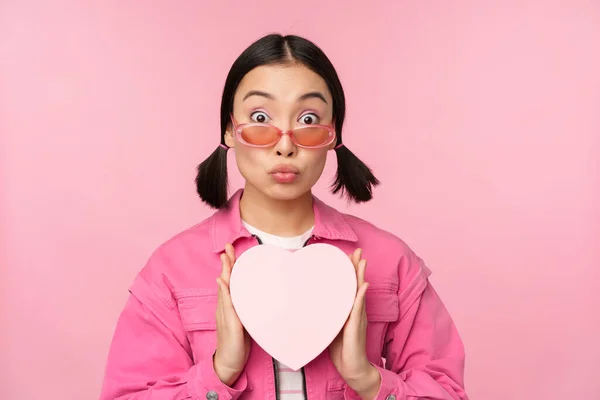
(481, 119)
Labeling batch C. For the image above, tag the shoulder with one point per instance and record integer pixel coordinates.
(370, 235)
(391, 260)
(186, 245)
(178, 262)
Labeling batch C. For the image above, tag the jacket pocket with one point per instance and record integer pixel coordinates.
(336, 388)
(382, 303)
(197, 309)
(383, 308)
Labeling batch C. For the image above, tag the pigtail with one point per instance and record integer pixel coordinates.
(211, 180)
(354, 179)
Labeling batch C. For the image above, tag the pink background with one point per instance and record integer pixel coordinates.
(481, 118)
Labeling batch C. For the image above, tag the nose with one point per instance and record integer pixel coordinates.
(285, 147)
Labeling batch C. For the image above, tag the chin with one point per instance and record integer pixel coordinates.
(285, 192)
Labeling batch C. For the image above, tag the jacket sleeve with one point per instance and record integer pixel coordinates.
(424, 355)
(150, 356)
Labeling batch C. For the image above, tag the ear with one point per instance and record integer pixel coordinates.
(229, 139)
(334, 143)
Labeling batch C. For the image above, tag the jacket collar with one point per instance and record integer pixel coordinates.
(226, 224)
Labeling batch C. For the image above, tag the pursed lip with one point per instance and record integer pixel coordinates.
(284, 169)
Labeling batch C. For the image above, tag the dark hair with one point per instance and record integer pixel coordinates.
(353, 178)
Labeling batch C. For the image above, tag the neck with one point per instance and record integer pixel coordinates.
(285, 218)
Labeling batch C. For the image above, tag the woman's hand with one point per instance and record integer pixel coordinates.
(348, 352)
(233, 342)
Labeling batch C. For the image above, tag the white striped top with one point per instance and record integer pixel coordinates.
(291, 382)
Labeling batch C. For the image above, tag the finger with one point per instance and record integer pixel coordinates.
(225, 268)
(360, 273)
(364, 301)
(352, 255)
(230, 251)
(226, 302)
(219, 312)
(355, 257)
(359, 301)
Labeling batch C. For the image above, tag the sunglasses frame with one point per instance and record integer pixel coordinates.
(238, 133)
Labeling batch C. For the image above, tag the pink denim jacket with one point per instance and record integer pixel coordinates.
(166, 335)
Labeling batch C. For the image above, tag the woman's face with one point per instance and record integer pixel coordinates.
(286, 96)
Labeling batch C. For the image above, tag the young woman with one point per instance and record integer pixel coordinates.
(179, 337)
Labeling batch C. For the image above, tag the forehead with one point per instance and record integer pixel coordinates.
(284, 82)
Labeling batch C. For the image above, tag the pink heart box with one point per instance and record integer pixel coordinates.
(293, 304)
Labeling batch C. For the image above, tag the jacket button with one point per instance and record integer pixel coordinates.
(212, 395)
(391, 397)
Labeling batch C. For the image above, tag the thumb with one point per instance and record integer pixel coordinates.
(225, 269)
(359, 301)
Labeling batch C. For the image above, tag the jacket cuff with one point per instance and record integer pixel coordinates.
(205, 380)
(391, 388)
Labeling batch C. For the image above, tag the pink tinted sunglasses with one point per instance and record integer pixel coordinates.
(256, 134)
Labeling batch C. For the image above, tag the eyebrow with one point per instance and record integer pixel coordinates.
(313, 95)
(259, 93)
(310, 95)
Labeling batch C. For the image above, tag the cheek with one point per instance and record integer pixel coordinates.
(315, 162)
(249, 161)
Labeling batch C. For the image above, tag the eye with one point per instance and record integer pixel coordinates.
(309, 119)
(259, 116)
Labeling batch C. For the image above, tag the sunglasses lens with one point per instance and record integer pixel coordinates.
(313, 137)
(260, 135)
